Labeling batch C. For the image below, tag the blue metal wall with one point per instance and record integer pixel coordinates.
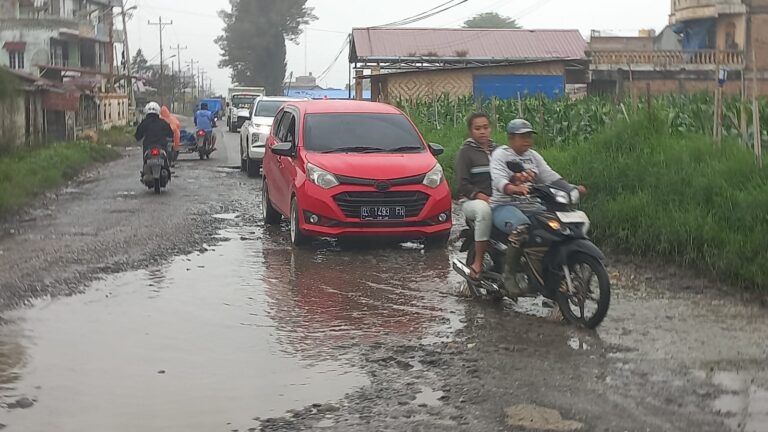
(509, 86)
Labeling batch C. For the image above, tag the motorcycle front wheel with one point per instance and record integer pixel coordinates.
(587, 300)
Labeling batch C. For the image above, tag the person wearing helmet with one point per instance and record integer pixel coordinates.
(153, 130)
(204, 120)
(510, 193)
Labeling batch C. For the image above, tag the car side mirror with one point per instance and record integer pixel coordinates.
(436, 149)
(283, 149)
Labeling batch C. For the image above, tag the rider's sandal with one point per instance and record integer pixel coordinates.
(474, 275)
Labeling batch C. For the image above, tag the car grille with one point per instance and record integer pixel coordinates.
(351, 202)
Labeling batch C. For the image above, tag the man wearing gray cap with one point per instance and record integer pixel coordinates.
(510, 193)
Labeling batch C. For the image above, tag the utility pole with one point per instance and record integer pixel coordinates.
(161, 26)
(192, 63)
(131, 99)
(202, 83)
(178, 49)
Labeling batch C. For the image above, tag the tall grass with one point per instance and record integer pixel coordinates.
(26, 174)
(674, 196)
(565, 121)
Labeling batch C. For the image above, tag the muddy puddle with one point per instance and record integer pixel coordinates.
(246, 329)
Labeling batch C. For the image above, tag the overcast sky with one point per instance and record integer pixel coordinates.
(196, 25)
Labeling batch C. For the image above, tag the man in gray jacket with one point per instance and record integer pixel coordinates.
(510, 193)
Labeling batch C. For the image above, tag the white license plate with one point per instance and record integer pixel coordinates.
(382, 213)
(155, 162)
(573, 217)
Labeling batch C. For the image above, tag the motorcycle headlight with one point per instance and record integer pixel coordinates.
(561, 196)
(575, 196)
(435, 177)
(321, 177)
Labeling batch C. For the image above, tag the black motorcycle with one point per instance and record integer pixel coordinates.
(157, 170)
(559, 260)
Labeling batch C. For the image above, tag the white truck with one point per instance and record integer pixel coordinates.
(240, 102)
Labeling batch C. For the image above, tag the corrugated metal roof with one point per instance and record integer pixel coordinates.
(472, 44)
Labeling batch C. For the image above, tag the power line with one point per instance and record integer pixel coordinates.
(398, 22)
(444, 7)
(327, 70)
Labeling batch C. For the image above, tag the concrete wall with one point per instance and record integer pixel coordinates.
(114, 110)
(13, 120)
(740, 26)
(456, 82)
(38, 46)
(621, 43)
(8, 8)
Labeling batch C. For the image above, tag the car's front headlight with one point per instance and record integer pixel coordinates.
(435, 177)
(561, 196)
(321, 177)
(264, 129)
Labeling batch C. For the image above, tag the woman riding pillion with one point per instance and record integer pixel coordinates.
(510, 193)
(473, 177)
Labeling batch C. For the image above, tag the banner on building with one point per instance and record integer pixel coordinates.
(66, 101)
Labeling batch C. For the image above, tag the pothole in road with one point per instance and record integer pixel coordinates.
(745, 404)
(428, 397)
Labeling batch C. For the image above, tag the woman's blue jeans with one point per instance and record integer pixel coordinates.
(507, 218)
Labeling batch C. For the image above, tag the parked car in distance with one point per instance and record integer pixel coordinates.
(254, 132)
(353, 168)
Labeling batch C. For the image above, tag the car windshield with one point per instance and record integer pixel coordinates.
(243, 101)
(268, 108)
(360, 133)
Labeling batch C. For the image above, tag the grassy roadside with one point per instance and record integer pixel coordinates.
(27, 173)
(671, 196)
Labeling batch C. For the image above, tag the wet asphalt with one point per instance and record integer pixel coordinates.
(125, 311)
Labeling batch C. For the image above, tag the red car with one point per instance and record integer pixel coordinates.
(352, 168)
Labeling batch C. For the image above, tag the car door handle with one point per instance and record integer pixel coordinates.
(280, 161)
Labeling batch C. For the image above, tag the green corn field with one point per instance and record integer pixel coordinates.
(659, 187)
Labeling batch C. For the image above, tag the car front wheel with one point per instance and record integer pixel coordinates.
(297, 237)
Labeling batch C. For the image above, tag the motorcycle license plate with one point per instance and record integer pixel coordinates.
(382, 213)
(155, 162)
(573, 217)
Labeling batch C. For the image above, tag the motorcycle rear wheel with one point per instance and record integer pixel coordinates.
(585, 271)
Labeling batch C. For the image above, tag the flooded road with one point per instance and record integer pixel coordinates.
(213, 340)
(183, 313)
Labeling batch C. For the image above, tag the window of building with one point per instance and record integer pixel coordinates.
(16, 60)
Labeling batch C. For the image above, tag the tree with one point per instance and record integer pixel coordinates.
(139, 63)
(491, 20)
(253, 43)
